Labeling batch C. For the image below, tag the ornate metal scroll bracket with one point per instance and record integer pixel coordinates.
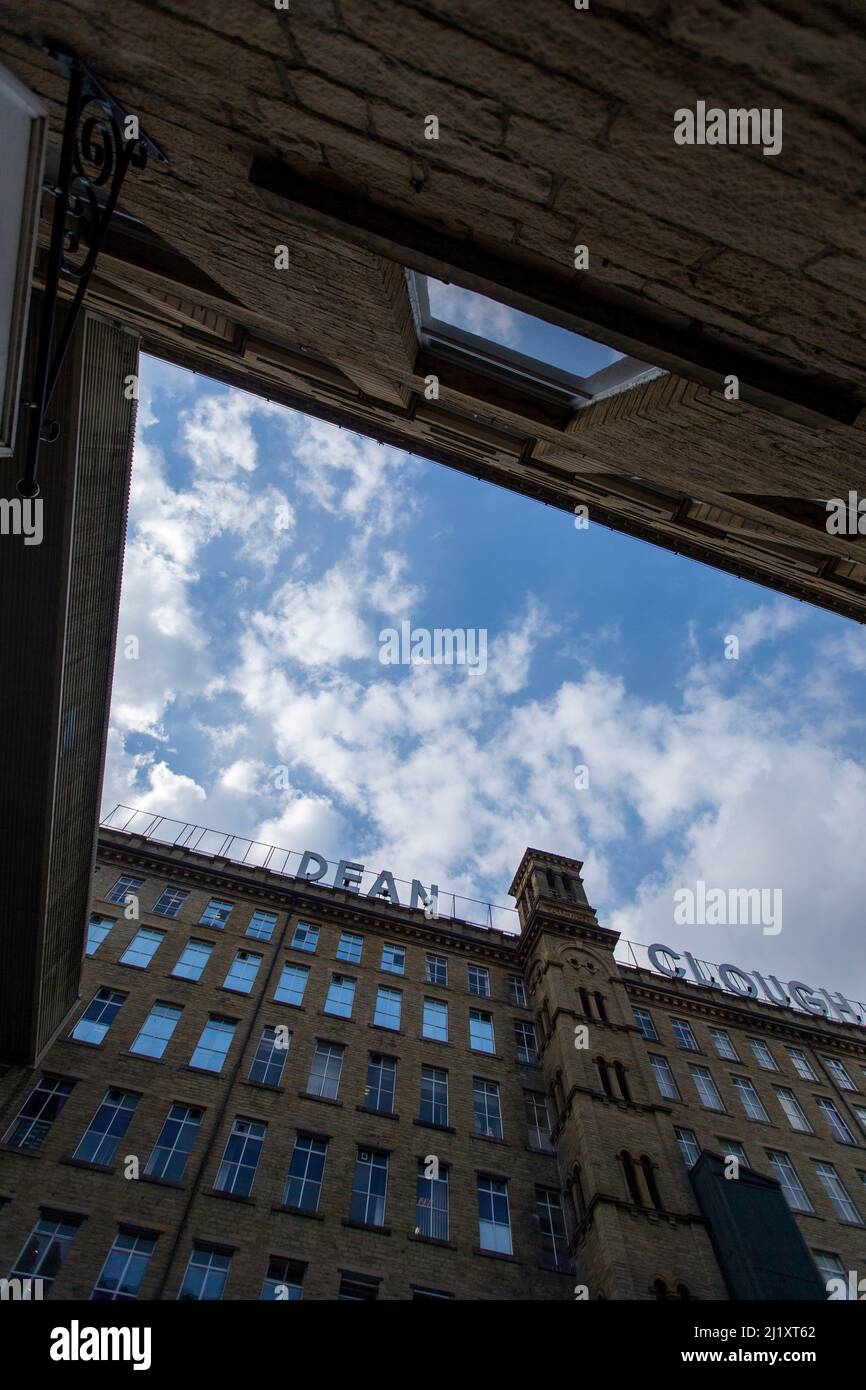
(101, 142)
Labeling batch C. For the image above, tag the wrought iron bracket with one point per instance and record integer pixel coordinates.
(101, 142)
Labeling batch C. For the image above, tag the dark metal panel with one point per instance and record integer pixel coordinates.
(758, 1244)
(58, 612)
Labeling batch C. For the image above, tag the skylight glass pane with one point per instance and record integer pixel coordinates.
(510, 328)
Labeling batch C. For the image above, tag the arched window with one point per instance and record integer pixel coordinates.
(621, 1080)
(559, 1093)
(659, 1289)
(599, 1004)
(682, 1291)
(546, 1026)
(631, 1181)
(578, 1197)
(584, 1003)
(650, 1178)
(604, 1077)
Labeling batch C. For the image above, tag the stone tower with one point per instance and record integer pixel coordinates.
(635, 1218)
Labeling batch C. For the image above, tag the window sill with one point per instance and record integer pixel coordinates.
(431, 1124)
(432, 1240)
(491, 1139)
(495, 1255)
(300, 1211)
(72, 1162)
(162, 1182)
(230, 1196)
(264, 1086)
(143, 1057)
(382, 1028)
(383, 1114)
(438, 1042)
(322, 1100)
(25, 1153)
(365, 1226)
(341, 1018)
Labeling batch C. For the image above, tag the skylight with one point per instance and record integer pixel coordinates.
(498, 339)
(511, 328)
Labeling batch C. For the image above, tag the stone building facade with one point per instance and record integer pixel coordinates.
(277, 1089)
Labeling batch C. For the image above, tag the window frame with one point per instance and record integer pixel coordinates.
(527, 374)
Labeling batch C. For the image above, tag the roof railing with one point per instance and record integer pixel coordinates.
(239, 849)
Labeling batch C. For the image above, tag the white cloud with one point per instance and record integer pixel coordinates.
(474, 313)
(738, 774)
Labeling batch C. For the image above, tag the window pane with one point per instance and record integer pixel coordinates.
(284, 1280)
(324, 1078)
(434, 1095)
(37, 1115)
(293, 982)
(350, 948)
(214, 1043)
(261, 925)
(97, 930)
(193, 959)
(99, 1142)
(242, 975)
(481, 1031)
(126, 884)
(174, 1145)
(206, 1275)
(237, 1170)
(156, 1030)
(98, 1017)
(388, 1002)
(124, 1268)
(306, 937)
(393, 958)
(435, 1024)
(436, 970)
(431, 1201)
(494, 1226)
(341, 996)
(170, 902)
(304, 1179)
(270, 1059)
(370, 1188)
(216, 914)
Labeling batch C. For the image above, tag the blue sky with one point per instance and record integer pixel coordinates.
(266, 553)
